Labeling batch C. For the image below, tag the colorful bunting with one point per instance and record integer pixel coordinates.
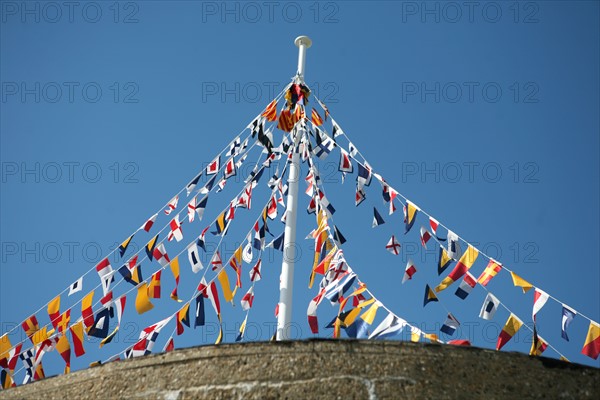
(513, 324)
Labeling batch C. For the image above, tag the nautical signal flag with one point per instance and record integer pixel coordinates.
(174, 265)
(409, 271)
(360, 196)
(132, 274)
(101, 324)
(248, 299)
(466, 285)
(454, 249)
(77, 338)
(54, 310)
(176, 231)
(450, 325)
(512, 326)
(190, 186)
(316, 118)
(489, 307)
(124, 245)
(230, 169)
(539, 299)
(520, 282)
(160, 254)
(568, 315)
(76, 286)
(214, 166)
(183, 318)
(461, 268)
(591, 347)
(270, 112)
(345, 162)
(377, 220)
(429, 296)
(194, 258)
(364, 175)
(86, 309)
(286, 121)
(489, 272)
(142, 302)
(538, 345)
(255, 271)
(444, 260)
(199, 320)
(338, 237)
(148, 224)
(154, 286)
(240, 335)
(410, 215)
(150, 247)
(434, 224)
(105, 272)
(172, 205)
(30, 326)
(393, 246)
(169, 346)
(225, 285)
(425, 236)
(390, 326)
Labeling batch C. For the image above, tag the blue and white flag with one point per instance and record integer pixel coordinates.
(567, 316)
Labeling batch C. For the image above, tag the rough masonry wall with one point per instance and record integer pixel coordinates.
(324, 369)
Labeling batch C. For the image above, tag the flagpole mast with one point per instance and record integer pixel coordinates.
(286, 283)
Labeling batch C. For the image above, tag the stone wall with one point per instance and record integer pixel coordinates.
(324, 369)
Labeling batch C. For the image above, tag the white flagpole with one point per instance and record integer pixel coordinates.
(286, 284)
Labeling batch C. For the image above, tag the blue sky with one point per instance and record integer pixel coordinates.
(487, 118)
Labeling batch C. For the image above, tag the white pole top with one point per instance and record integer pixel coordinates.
(303, 43)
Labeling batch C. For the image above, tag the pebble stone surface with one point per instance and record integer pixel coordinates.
(323, 369)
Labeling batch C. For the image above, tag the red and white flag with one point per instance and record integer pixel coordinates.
(393, 246)
(149, 223)
(248, 299)
(192, 210)
(176, 231)
(230, 169)
(434, 225)
(216, 262)
(160, 254)
(172, 205)
(214, 166)
(255, 271)
(425, 236)
(409, 271)
(539, 299)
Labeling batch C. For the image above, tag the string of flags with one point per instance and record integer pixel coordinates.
(357, 307)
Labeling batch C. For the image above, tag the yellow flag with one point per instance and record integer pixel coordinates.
(369, 315)
(5, 346)
(415, 335)
(142, 302)
(224, 281)
(174, 265)
(352, 314)
(54, 310)
(432, 337)
(40, 336)
(522, 283)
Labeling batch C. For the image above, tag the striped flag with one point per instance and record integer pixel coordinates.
(465, 287)
(450, 325)
(270, 112)
(86, 309)
(390, 326)
(316, 118)
(489, 272)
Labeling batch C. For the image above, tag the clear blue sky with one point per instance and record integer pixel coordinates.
(487, 118)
